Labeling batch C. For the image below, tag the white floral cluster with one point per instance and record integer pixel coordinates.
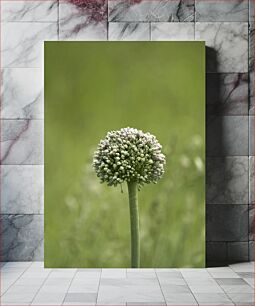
(129, 155)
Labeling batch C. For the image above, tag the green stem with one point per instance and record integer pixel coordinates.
(134, 224)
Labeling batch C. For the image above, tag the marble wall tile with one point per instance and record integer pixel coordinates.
(21, 142)
(237, 251)
(251, 93)
(234, 10)
(227, 223)
(251, 69)
(227, 45)
(129, 31)
(227, 93)
(251, 180)
(251, 10)
(172, 31)
(23, 10)
(216, 252)
(251, 135)
(23, 43)
(227, 135)
(22, 93)
(75, 24)
(153, 10)
(251, 250)
(22, 189)
(251, 222)
(251, 46)
(227, 180)
(22, 237)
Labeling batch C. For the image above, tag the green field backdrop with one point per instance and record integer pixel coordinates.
(94, 87)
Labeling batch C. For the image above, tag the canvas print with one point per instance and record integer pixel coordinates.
(124, 154)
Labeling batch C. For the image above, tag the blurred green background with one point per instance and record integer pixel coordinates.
(94, 87)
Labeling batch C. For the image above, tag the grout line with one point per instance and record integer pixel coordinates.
(76, 270)
(107, 21)
(195, 11)
(98, 285)
(58, 21)
(189, 287)
(222, 288)
(33, 21)
(22, 119)
(23, 214)
(41, 286)
(150, 31)
(160, 286)
(21, 165)
(16, 279)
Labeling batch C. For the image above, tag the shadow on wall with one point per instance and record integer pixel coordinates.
(212, 94)
(219, 229)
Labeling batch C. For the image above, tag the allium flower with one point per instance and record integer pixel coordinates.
(129, 155)
(132, 156)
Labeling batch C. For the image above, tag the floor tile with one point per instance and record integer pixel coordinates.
(242, 299)
(17, 264)
(243, 267)
(84, 285)
(113, 273)
(201, 282)
(237, 288)
(111, 295)
(231, 285)
(230, 281)
(79, 303)
(87, 274)
(195, 273)
(17, 297)
(143, 294)
(81, 297)
(250, 282)
(141, 274)
(213, 299)
(27, 281)
(146, 303)
(175, 289)
(224, 272)
(246, 274)
(180, 299)
(57, 273)
(206, 289)
(49, 298)
(171, 281)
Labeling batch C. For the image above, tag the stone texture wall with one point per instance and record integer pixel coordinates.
(226, 26)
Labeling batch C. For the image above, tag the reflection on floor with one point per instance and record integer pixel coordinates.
(27, 283)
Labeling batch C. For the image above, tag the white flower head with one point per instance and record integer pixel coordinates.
(129, 155)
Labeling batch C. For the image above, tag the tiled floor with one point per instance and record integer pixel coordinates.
(27, 283)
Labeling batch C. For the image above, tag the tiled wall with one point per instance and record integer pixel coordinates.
(226, 26)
